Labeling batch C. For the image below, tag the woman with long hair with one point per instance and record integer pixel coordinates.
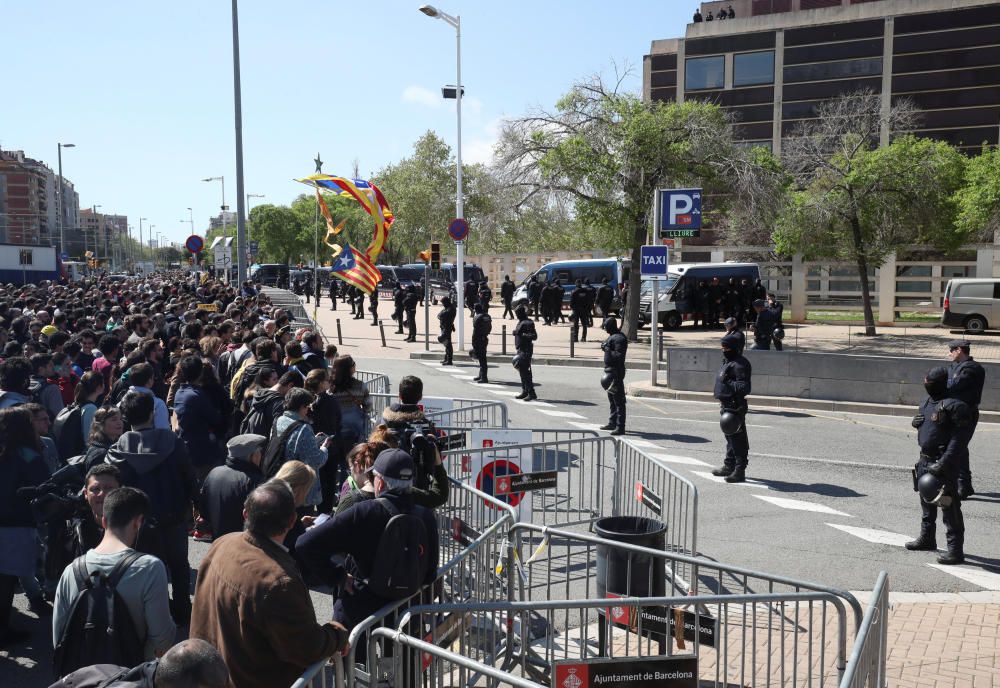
(88, 395)
(300, 477)
(107, 427)
(21, 465)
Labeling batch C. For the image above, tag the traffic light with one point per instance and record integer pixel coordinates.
(435, 255)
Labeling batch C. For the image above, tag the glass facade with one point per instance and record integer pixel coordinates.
(705, 72)
(753, 68)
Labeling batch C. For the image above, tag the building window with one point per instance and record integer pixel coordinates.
(753, 68)
(834, 70)
(705, 72)
(26, 256)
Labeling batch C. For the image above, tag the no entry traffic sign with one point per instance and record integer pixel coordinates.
(458, 229)
(194, 243)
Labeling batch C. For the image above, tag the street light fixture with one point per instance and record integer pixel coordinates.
(59, 194)
(456, 23)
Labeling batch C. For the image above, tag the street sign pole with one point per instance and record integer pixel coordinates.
(460, 291)
(653, 336)
(427, 310)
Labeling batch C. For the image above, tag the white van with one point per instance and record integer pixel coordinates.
(972, 304)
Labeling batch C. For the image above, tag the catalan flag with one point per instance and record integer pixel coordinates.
(353, 267)
(368, 197)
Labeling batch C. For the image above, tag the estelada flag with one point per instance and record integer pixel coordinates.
(353, 267)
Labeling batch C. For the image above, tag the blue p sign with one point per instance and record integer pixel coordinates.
(655, 261)
(680, 212)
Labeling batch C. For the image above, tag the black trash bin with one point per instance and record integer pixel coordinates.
(614, 574)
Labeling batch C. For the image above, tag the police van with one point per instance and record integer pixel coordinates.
(569, 271)
(682, 279)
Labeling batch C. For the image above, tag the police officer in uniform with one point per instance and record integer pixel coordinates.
(940, 424)
(359, 304)
(965, 382)
(446, 320)
(591, 300)
(578, 306)
(482, 325)
(398, 297)
(333, 293)
(410, 306)
(485, 296)
(605, 297)
(373, 306)
(524, 341)
(732, 386)
(317, 291)
(507, 296)
(766, 323)
(778, 309)
(733, 328)
(534, 296)
(471, 296)
(615, 348)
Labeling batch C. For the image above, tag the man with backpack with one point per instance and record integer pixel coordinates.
(392, 543)
(188, 664)
(157, 462)
(15, 379)
(111, 604)
(42, 391)
(268, 400)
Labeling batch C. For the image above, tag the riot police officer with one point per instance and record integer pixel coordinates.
(578, 307)
(965, 382)
(776, 307)
(359, 304)
(482, 325)
(524, 341)
(591, 301)
(732, 386)
(446, 320)
(507, 297)
(605, 297)
(471, 296)
(373, 306)
(615, 348)
(398, 297)
(940, 422)
(766, 323)
(333, 293)
(485, 295)
(733, 328)
(534, 296)
(410, 306)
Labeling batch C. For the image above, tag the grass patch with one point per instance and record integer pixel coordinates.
(859, 317)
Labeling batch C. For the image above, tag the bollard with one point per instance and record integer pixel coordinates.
(572, 344)
(381, 331)
(340, 334)
(659, 347)
(503, 341)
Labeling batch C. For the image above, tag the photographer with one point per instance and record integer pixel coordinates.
(417, 437)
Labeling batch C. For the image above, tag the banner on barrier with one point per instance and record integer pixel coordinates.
(436, 404)
(635, 672)
(491, 470)
(660, 621)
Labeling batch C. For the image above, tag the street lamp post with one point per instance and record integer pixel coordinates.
(456, 22)
(93, 209)
(223, 213)
(190, 219)
(249, 196)
(59, 193)
(141, 252)
(241, 230)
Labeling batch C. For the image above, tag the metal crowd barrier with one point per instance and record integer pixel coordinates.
(375, 383)
(577, 480)
(472, 534)
(288, 301)
(866, 668)
(466, 413)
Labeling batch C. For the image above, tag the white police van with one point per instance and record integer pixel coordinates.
(670, 309)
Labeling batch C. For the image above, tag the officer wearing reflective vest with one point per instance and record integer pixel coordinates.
(940, 423)
(732, 386)
(965, 382)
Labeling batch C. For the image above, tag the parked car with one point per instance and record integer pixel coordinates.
(670, 311)
(972, 304)
(569, 271)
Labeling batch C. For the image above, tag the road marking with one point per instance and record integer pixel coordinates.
(695, 420)
(971, 574)
(645, 443)
(561, 414)
(750, 482)
(535, 403)
(502, 393)
(800, 505)
(686, 460)
(879, 537)
(466, 378)
(585, 426)
(490, 385)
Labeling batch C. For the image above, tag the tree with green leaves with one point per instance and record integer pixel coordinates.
(278, 229)
(859, 202)
(978, 201)
(609, 151)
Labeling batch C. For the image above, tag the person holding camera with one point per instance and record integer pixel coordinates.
(417, 437)
(21, 466)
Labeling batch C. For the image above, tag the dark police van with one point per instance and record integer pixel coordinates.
(671, 312)
(270, 274)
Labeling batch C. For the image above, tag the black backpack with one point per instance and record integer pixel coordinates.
(274, 457)
(100, 629)
(258, 421)
(399, 568)
(68, 432)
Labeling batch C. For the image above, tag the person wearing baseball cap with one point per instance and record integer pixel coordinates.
(966, 379)
(227, 486)
(358, 532)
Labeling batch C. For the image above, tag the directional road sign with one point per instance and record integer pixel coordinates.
(458, 229)
(655, 261)
(679, 212)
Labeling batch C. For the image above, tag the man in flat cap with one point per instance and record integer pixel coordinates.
(227, 486)
(965, 383)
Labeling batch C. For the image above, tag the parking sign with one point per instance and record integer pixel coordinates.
(679, 213)
(655, 260)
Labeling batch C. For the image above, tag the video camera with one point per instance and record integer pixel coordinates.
(420, 440)
(58, 498)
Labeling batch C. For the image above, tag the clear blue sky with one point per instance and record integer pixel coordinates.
(145, 90)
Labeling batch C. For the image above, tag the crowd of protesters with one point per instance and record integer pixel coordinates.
(138, 414)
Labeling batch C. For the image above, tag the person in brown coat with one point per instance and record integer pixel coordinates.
(252, 603)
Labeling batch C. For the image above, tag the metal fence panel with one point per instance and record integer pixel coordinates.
(866, 668)
(465, 413)
(375, 383)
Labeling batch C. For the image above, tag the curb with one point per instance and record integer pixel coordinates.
(537, 361)
(644, 390)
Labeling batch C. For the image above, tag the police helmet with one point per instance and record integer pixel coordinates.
(730, 422)
(517, 361)
(933, 491)
(608, 378)
(778, 334)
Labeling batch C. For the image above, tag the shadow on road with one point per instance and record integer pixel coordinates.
(686, 439)
(783, 414)
(824, 489)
